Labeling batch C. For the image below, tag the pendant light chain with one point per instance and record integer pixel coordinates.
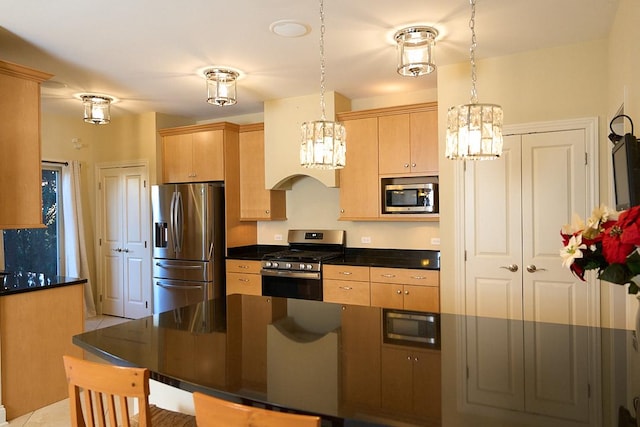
(472, 53)
(322, 65)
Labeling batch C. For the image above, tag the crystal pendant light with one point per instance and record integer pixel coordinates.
(97, 108)
(474, 131)
(323, 142)
(221, 86)
(415, 56)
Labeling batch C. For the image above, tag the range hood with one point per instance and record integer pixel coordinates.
(282, 121)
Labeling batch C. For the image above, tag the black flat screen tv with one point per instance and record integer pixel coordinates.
(626, 172)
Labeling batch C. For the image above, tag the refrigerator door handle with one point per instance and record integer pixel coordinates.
(172, 221)
(179, 267)
(170, 286)
(179, 215)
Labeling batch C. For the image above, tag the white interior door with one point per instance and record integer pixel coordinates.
(124, 246)
(514, 208)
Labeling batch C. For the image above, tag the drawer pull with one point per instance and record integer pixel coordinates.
(243, 266)
(346, 288)
(243, 280)
(388, 275)
(419, 277)
(346, 273)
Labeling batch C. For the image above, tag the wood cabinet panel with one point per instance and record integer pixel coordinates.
(243, 277)
(256, 202)
(408, 289)
(393, 143)
(424, 142)
(387, 295)
(208, 155)
(346, 291)
(359, 187)
(405, 276)
(345, 272)
(422, 298)
(21, 178)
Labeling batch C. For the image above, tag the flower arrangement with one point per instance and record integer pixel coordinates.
(607, 242)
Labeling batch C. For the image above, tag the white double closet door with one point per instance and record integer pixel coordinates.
(124, 245)
(514, 209)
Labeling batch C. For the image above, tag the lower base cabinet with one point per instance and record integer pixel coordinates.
(421, 368)
(243, 277)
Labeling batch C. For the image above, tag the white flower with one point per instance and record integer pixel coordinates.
(572, 251)
(577, 224)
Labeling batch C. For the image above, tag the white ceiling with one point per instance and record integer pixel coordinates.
(149, 53)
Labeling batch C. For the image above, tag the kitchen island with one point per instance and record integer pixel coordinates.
(38, 317)
(331, 360)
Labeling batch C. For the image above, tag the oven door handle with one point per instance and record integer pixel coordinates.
(291, 274)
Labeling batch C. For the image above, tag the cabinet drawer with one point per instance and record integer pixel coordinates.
(243, 283)
(345, 272)
(345, 291)
(405, 276)
(243, 266)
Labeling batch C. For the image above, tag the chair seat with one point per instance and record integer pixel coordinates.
(163, 417)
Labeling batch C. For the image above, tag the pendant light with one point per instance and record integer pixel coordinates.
(474, 131)
(97, 108)
(323, 143)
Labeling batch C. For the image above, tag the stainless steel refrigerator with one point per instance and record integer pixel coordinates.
(188, 247)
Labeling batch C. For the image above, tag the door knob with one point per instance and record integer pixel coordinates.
(511, 267)
(532, 268)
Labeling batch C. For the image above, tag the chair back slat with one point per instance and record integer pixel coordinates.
(214, 412)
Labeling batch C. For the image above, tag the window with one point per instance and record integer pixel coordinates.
(39, 249)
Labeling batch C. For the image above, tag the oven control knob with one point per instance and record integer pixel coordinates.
(274, 265)
(309, 267)
(267, 264)
(287, 265)
(301, 267)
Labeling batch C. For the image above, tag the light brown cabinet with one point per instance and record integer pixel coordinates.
(419, 368)
(193, 157)
(406, 289)
(361, 335)
(346, 284)
(256, 202)
(21, 178)
(408, 143)
(359, 188)
(243, 277)
(386, 143)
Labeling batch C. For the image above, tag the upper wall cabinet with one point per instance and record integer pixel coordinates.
(192, 156)
(256, 202)
(408, 142)
(21, 178)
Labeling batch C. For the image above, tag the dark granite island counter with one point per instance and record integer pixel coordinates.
(331, 360)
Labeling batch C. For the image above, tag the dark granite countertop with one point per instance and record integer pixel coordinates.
(392, 258)
(330, 359)
(19, 282)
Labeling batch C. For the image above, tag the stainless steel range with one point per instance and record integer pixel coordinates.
(297, 271)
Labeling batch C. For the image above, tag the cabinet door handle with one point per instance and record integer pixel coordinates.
(267, 211)
(406, 165)
(346, 273)
(346, 288)
(399, 292)
(413, 165)
(341, 210)
(406, 292)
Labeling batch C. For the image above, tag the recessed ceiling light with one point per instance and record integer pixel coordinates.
(289, 28)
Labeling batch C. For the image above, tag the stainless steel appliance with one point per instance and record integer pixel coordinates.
(411, 328)
(188, 247)
(411, 198)
(297, 271)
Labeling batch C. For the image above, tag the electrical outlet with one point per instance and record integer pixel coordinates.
(277, 237)
(435, 240)
(365, 239)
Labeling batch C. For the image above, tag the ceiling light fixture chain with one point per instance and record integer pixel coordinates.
(322, 63)
(472, 53)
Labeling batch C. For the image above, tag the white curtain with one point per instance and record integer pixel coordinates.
(75, 249)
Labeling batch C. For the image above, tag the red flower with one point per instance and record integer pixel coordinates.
(620, 239)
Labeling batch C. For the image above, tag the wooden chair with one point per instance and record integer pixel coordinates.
(214, 412)
(106, 390)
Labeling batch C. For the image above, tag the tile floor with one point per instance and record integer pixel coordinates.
(57, 414)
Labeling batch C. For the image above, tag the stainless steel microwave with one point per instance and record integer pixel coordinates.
(411, 328)
(411, 198)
